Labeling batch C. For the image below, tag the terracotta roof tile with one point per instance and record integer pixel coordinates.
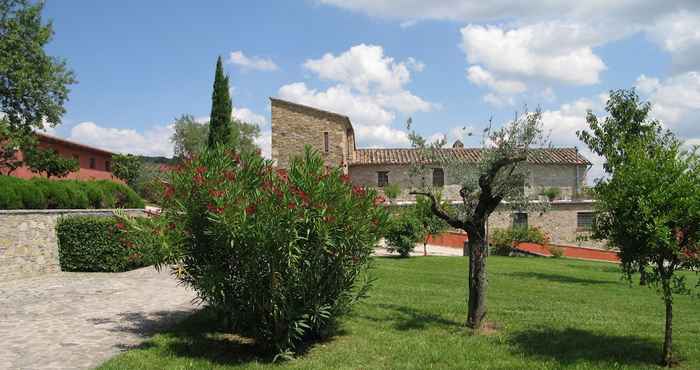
(407, 156)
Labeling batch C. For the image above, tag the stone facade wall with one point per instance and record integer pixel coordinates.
(559, 221)
(294, 126)
(563, 177)
(28, 243)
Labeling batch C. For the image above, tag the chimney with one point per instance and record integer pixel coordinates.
(457, 144)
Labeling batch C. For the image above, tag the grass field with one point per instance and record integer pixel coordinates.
(549, 314)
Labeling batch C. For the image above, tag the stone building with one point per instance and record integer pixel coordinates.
(564, 169)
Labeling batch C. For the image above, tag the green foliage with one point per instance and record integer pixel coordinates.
(33, 85)
(49, 161)
(189, 136)
(503, 241)
(9, 142)
(127, 167)
(278, 254)
(557, 252)
(404, 231)
(97, 244)
(432, 225)
(221, 109)
(392, 191)
(551, 193)
(41, 193)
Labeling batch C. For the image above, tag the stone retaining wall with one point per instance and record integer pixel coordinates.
(28, 243)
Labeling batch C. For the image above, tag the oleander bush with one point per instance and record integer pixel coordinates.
(279, 255)
(99, 244)
(41, 193)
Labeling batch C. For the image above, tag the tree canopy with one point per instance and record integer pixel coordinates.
(221, 108)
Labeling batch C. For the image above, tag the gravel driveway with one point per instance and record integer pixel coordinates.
(79, 320)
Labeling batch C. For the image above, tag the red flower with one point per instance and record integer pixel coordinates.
(345, 178)
(169, 191)
(291, 205)
(199, 179)
(172, 226)
(250, 209)
(358, 190)
(214, 209)
(379, 200)
(230, 175)
(120, 226)
(329, 219)
(216, 193)
(282, 174)
(201, 170)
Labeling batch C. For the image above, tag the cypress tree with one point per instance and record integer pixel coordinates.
(220, 120)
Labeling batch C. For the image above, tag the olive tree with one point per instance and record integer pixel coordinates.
(498, 175)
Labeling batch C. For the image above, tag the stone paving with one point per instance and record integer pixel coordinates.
(79, 320)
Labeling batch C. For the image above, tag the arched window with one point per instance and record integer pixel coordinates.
(438, 177)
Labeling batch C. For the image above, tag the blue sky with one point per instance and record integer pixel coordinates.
(448, 64)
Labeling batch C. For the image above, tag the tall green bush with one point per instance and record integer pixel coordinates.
(404, 231)
(278, 254)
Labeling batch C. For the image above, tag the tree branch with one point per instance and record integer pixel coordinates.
(439, 212)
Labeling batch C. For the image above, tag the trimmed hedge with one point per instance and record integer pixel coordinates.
(41, 193)
(96, 244)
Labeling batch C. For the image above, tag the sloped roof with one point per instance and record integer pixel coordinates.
(307, 108)
(569, 156)
(48, 139)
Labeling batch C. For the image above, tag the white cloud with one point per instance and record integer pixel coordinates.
(361, 109)
(679, 34)
(481, 77)
(255, 63)
(246, 115)
(676, 102)
(264, 141)
(155, 141)
(370, 88)
(363, 67)
(551, 51)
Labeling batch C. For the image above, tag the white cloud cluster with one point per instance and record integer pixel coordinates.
(679, 34)
(153, 142)
(247, 115)
(254, 63)
(676, 102)
(369, 87)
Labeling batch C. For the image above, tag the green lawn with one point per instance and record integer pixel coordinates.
(550, 314)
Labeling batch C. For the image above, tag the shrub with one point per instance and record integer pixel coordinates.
(551, 193)
(96, 244)
(557, 252)
(41, 193)
(392, 191)
(503, 240)
(278, 254)
(404, 231)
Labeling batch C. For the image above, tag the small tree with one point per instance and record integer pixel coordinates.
(221, 109)
(650, 210)
(127, 167)
(189, 136)
(50, 162)
(405, 230)
(498, 175)
(432, 225)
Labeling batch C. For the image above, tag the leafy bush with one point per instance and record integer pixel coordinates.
(551, 193)
(41, 193)
(392, 191)
(277, 254)
(503, 240)
(404, 231)
(557, 252)
(96, 244)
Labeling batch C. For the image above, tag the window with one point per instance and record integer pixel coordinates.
(520, 220)
(382, 179)
(108, 166)
(326, 144)
(438, 177)
(92, 163)
(584, 221)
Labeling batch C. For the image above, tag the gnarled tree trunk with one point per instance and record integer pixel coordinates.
(477, 281)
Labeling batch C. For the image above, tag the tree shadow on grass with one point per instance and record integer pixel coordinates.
(568, 346)
(556, 278)
(201, 337)
(409, 318)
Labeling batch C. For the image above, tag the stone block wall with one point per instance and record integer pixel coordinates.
(28, 243)
(295, 126)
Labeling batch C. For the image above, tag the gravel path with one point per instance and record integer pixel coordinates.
(79, 320)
